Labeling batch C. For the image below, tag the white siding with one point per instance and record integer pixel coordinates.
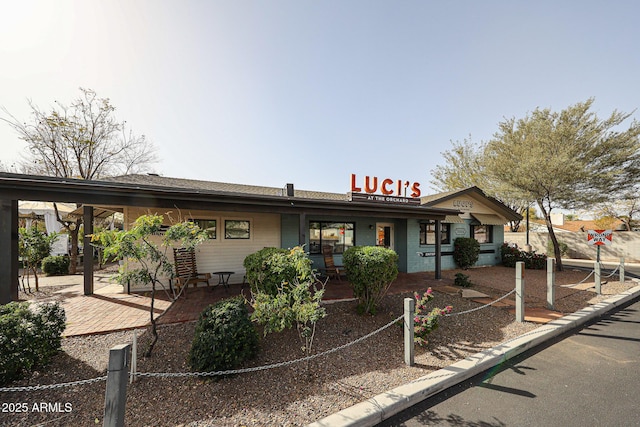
(222, 254)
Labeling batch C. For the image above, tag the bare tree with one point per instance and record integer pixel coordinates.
(82, 140)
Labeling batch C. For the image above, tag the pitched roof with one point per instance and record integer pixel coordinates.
(500, 207)
(194, 184)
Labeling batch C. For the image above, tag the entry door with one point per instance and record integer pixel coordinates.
(384, 234)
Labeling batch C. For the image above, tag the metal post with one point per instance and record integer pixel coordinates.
(519, 291)
(438, 274)
(551, 283)
(622, 270)
(409, 312)
(87, 250)
(9, 251)
(116, 393)
(597, 276)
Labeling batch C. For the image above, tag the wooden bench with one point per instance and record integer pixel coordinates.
(187, 270)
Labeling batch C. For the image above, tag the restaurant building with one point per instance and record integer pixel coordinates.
(242, 219)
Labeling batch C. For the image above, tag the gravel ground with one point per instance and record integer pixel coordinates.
(288, 396)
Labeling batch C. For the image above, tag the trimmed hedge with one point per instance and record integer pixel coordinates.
(370, 270)
(56, 265)
(28, 338)
(224, 337)
(466, 252)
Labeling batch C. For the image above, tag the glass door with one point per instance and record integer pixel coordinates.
(384, 234)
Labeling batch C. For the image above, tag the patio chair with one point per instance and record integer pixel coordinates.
(187, 270)
(330, 269)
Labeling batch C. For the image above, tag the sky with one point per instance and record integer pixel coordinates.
(310, 92)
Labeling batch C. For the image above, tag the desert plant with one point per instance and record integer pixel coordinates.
(511, 255)
(370, 270)
(224, 337)
(150, 261)
(296, 302)
(466, 252)
(425, 321)
(564, 248)
(57, 265)
(28, 337)
(33, 246)
(462, 280)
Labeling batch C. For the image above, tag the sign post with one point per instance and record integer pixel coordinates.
(599, 238)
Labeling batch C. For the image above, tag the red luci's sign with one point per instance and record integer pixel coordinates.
(386, 186)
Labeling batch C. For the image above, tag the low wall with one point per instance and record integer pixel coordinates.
(625, 244)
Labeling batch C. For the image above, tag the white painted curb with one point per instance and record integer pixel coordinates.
(385, 405)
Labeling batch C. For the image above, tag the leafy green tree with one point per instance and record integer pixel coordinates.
(82, 140)
(34, 245)
(465, 167)
(569, 159)
(147, 262)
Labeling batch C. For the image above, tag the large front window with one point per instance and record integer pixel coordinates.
(338, 235)
(428, 233)
(482, 233)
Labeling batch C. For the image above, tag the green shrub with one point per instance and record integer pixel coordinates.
(270, 268)
(224, 337)
(466, 252)
(55, 265)
(462, 280)
(564, 248)
(28, 338)
(370, 270)
(532, 261)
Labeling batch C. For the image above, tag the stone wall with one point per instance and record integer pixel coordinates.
(625, 244)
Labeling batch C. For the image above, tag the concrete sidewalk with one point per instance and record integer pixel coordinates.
(383, 406)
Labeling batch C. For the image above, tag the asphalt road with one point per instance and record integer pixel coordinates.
(590, 377)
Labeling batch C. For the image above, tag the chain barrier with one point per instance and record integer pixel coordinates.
(576, 284)
(477, 308)
(591, 274)
(52, 386)
(614, 271)
(265, 367)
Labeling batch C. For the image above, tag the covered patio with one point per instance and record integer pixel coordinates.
(16, 187)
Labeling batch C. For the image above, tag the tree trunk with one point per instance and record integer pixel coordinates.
(552, 236)
(73, 257)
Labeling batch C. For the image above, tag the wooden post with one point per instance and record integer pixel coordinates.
(551, 283)
(519, 291)
(409, 313)
(622, 270)
(597, 277)
(116, 393)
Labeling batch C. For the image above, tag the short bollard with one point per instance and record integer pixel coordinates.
(116, 393)
(622, 270)
(409, 312)
(598, 279)
(551, 283)
(519, 291)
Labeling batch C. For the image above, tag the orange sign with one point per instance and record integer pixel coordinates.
(386, 186)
